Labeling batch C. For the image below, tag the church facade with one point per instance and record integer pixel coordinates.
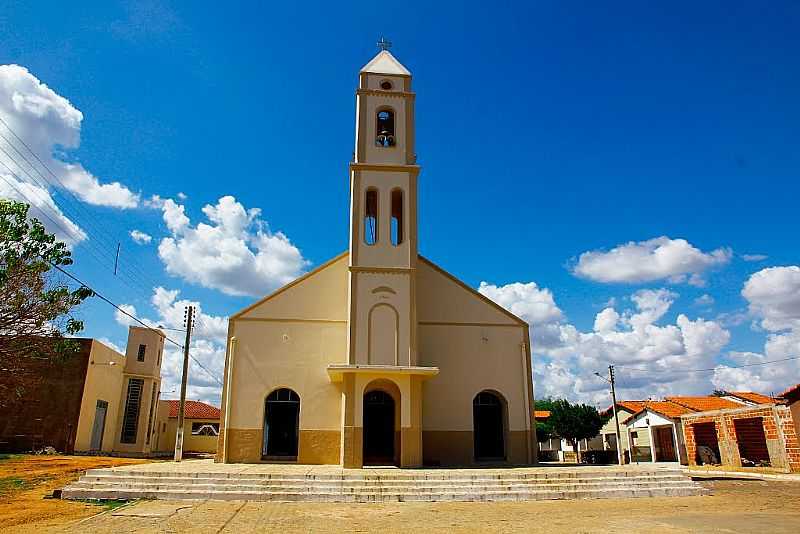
(379, 356)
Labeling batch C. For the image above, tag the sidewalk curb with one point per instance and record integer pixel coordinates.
(696, 473)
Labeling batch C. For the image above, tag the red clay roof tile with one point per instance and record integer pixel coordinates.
(194, 410)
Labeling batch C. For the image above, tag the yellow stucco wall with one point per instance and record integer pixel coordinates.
(103, 382)
(476, 345)
(191, 443)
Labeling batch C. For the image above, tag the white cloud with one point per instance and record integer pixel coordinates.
(773, 296)
(704, 301)
(140, 237)
(754, 257)
(209, 337)
(126, 320)
(49, 124)
(525, 300)
(649, 355)
(42, 207)
(662, 258)
(236, 254)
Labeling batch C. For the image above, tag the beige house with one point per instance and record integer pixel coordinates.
(378, 356)
(99, 401)
(200, 426)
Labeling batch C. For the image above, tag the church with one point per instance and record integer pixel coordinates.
(379, 356)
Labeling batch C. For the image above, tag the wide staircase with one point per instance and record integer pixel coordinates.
(385, 485)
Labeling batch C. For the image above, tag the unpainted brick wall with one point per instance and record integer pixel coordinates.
(779, 430)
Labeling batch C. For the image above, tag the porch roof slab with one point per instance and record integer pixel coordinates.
(336, 372)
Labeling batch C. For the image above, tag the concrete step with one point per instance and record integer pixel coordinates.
(384, 485)
(687, 489)
(351, 488)
(380, 482)
(366, 475)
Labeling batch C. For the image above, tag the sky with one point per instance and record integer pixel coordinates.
(624, 177)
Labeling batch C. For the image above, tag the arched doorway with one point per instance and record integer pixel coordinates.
(488, 423)
(379, 431)
(281, 425)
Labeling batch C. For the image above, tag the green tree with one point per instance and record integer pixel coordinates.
(575, 422)
(35, 303)
(544, 429)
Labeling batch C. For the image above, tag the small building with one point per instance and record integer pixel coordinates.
(659, 423)
(200, 426)
(98, 401)
(747, 435)
(608, 433)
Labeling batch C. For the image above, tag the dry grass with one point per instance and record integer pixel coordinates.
(26, 481)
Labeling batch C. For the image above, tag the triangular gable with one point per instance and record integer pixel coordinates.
(319, 294)
(441, 297)
(385, 63)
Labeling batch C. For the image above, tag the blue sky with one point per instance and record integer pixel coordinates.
(546, 131)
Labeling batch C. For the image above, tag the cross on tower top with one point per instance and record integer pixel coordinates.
(384, 44)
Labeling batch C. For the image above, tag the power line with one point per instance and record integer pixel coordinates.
(136, 275)
(118, 308)
(767, 362)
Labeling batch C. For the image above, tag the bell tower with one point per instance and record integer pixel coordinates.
(383, 217)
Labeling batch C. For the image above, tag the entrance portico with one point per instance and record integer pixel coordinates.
(404, 386)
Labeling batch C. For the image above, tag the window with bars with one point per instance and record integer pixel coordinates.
(130, 418)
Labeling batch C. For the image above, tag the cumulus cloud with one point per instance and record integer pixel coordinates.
(42, 207)
(773, 296)
(50, 125)
(662, 258)
(140, 237)
(209, 336)
(649, 354)
(236, 253)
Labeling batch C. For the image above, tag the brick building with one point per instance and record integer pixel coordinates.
(753, 435)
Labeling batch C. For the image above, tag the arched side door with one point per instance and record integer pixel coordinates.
(488, 423)
(281, 424)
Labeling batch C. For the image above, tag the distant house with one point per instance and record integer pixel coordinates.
(656, 434)
(200, 426)
(608, 433)
(557, 449)
(98, 401)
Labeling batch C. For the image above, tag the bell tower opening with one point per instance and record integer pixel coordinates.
(397, 217)
(384, 127)
(371, 217)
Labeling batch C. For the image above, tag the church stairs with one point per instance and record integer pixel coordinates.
(386, 486)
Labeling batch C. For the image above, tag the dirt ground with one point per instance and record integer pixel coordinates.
(736, 506)
(26, 480)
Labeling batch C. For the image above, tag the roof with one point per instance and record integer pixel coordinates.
(541, 414)
(792, 392)
(752, 396)
(385, 63)
(193, 409)
(632, 406)
(704, 404)
(668, 409)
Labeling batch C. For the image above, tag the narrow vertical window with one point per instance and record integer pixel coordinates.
(384, 130)
(130, 417)
(371, 217)
(397, 217)
(140, 355)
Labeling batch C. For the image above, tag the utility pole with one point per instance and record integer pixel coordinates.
(188, 314)
(616, 416)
